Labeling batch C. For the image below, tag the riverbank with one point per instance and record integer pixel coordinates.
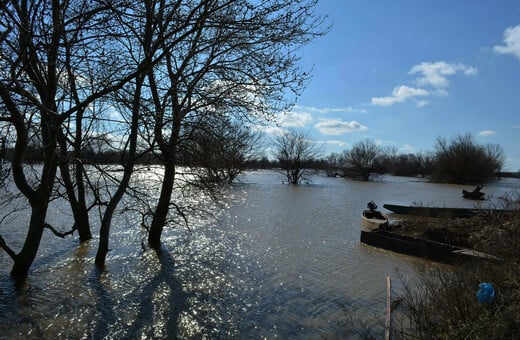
(444, 305)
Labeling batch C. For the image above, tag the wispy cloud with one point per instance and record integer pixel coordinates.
(511, 41)
(486, 133)
(269, 129)
(335, 127)
(432, 79)
(294, 119)
(407, 148)
(338, 143)
(399, 95)
(323, 110)
(436, 74)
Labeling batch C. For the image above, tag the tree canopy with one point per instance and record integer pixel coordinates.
(140, 78)
(464, 161)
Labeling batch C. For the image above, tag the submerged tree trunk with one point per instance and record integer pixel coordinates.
(81, 215)
(104, 230)
(163, 206)
(39, 200)
(77, 203)
(24, 259)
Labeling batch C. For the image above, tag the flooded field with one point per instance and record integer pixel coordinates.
(273, 261)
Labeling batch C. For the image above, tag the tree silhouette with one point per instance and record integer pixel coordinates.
(293, 148)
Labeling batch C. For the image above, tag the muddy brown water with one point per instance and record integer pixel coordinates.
(275, 261)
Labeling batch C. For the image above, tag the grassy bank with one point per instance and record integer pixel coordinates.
(444, 305)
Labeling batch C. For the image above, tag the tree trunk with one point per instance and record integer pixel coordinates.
(25, 258)
(104, 230)
(80, 211)
(77, 204)
(81, 220)
(163, 206)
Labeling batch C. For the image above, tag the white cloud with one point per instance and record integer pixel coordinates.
(486, 133)
(512, 42)
(407, 148)
(430, 75)
(269, 129)
(338, 143)
(294, 119)
(348, 109)
(399, 95)
(336, 127)
(436, 74)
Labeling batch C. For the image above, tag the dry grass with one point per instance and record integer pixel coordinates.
(444, 305)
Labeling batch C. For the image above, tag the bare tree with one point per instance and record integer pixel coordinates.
(363, 160)
(47, 48)
(333, 165)
(496, 155)
(240, 60)
(222, 148)
(154, 40)
(293, 149)
(32, 62)
(170, 63)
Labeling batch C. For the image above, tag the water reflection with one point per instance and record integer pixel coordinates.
(277, 261)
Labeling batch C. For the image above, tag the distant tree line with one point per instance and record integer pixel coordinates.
(460, 161)
(225, 155)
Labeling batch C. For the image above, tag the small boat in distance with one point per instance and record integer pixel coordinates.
(473, 195)
(372, 219)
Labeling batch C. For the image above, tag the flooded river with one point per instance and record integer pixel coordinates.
(275, 261)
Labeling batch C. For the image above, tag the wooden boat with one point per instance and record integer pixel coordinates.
(432, 250)
(373, 219)
(431, 211)
(443, 212)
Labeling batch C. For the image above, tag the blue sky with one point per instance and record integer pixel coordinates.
(405, 72)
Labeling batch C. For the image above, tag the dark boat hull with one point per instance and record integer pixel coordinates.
(431, 250)
(472, 195)
(427, 249)
(431, 211)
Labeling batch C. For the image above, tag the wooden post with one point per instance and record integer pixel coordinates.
(388, 308)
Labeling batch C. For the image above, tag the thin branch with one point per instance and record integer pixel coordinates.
(5, 247)
(59, 234)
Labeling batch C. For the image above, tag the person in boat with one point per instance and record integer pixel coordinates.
(372, 206)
